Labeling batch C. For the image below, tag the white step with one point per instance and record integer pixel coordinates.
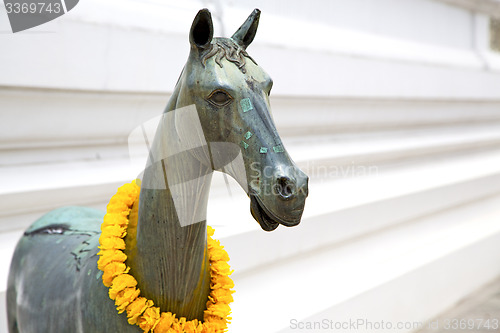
(92, 182)
(406, 274)
(429, 263)
(348, 208)
(8, 242)
(341, 208)
(367, 203)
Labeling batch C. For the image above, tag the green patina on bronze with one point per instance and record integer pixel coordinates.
(54, 284)
(244, 144)
(246, 104)
(278, 149)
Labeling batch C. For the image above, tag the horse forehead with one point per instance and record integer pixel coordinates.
(230, 74)
(256, 72)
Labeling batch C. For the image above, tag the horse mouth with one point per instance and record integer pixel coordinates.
(265, 218)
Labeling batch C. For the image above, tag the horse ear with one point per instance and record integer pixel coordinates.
(202, 29)
(246, 33)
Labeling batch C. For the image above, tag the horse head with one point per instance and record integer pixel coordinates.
(231, 94)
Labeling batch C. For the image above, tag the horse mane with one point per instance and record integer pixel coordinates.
(227, 48)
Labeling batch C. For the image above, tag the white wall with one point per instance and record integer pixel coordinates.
(407, 90)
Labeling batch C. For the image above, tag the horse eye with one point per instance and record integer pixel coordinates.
(219, 98)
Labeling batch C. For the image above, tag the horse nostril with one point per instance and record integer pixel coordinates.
(285, 188)
(304, 189)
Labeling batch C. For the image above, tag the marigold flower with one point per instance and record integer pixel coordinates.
(129, 189)
(125, 297)
(213, 243)
(113, 270)
(114, 231)
(114, 219)
(109, 243)
(149, 319)
(220, 267)
(218, 254)
(219, 310)
(118, 207)
(136, 308)
(192, 326)
(122, 286)
(123, 197)
(221, 295)
(209, 327)
(221, 281)
(176, 327)
(120, 283)
(108, 256)
(220, 324)
(165, 322)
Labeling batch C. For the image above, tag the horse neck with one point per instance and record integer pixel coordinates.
(170, 260)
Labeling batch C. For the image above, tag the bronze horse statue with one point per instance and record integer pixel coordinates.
(218, 118)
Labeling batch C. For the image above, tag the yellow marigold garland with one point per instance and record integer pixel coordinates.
(123, 286)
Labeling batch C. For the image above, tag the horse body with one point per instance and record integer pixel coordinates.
(218, 119)
(54, 283)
